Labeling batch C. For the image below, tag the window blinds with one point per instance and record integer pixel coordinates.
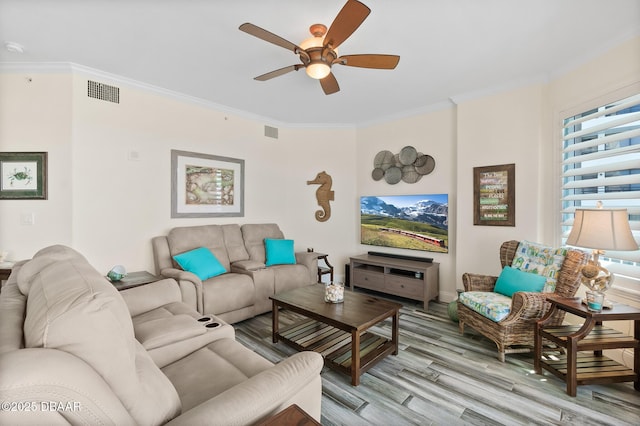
(601, 162)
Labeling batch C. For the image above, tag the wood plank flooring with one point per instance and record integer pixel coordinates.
(442, 378)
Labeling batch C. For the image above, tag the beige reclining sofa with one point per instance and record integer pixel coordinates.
(243, 291)
(74, 350)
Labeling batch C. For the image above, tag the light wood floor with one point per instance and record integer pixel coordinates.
(442, 378)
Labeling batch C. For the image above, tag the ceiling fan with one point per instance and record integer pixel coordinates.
(319, 52)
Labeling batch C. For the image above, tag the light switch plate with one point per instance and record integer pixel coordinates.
(27, 219)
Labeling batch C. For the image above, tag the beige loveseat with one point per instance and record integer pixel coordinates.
(70, 353)
(244, 290)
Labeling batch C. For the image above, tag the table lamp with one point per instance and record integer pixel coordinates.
(600, 229)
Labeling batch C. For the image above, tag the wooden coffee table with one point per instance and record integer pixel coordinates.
(338, 330)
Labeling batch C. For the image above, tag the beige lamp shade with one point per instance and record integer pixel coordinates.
(603, 229)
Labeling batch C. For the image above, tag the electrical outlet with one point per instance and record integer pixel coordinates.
(28, 219)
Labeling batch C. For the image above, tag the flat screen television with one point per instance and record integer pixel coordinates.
(414, 222)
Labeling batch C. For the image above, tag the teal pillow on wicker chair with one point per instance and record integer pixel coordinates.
(512, 280)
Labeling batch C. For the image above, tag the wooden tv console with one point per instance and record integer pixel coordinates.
(412, 279)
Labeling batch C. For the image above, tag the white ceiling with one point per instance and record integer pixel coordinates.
(448, 48)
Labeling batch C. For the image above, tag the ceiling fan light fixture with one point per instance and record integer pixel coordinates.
(317, 37)
(312, 42)
(318, 67)
(319, 53)
(318, 70)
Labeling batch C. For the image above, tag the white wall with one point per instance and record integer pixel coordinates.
(109, 207)
(502, 128)
(430, 133)
(35, 115)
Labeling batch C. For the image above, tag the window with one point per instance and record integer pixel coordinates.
(601, 162)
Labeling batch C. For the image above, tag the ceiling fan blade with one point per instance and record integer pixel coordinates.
(269, 36)
(352, 14)
(330, 84)
(385, 62)
(278, 73)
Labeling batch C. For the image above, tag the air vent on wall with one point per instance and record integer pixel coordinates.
(271, 132)
(103, 92)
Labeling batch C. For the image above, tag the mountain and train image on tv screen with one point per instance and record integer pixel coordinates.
(414, 222)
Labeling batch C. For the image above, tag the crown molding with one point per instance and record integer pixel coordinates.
(36, 67)
(499, 88)
(69, 67)
(167, 93)
(439, 106)
(73, 68)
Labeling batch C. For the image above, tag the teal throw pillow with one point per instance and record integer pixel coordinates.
(512, 280)
(201, 262)
(279, 252)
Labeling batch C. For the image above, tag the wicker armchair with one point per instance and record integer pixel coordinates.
(517, 329)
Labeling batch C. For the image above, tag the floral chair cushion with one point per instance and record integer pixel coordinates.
(494, 306)
(542, 260)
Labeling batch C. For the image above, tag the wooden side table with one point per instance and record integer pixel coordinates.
(135, 279)
(5, 271)
(290, 416)
(584, 362)
(324, 270)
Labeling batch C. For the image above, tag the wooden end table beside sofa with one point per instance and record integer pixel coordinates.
(338, 331)
(5, 271)
(135, 279)
(583, 362)
(290, 416)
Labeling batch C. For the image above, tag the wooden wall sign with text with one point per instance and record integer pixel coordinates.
(494, 198)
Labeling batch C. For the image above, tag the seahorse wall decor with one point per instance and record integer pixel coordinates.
(324, 194)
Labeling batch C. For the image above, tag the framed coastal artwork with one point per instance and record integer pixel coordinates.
(204, 185)
(494, 195)
(23, 175)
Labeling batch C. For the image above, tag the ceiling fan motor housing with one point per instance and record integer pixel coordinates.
(318, 61)
(320, 54)
(317, 57)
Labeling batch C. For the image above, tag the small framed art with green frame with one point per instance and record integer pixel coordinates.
(23, 175)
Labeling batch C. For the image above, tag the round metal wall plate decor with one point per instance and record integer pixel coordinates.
(408, 165)
(425, 164)
(408, 155)
(393, 175)
(421, 160)
(384, 160)
(377, 174)
(409, 174)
